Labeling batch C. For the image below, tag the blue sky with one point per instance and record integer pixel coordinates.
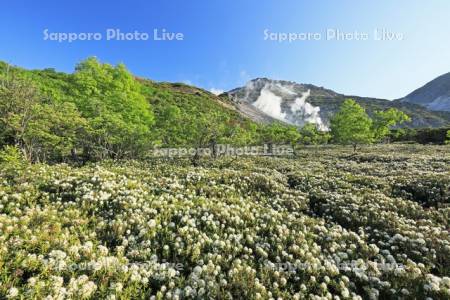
(224, 45)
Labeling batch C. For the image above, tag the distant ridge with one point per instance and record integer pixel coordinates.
(435, 95)
(265, 100)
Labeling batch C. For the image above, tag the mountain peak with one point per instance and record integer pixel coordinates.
(267, 100)
(281, 100)
(435, 95)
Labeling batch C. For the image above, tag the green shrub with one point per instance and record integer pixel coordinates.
(12, 162)
(429, 191)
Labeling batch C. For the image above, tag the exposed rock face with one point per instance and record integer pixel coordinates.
(435, 95)
(265, 100)
(280, 100)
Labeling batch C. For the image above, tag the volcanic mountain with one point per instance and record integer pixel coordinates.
(266, 100)
(435, 95)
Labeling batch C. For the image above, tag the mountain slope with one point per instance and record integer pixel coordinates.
(298, 104)
(435, 95)
(182, 113)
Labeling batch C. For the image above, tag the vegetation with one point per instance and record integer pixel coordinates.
(103, 112)
(420, 116)
(317, 225)
(351, 125)
(44, 130)
(373, 225)
(421, 136)
(95, 113)
(383, 121)
(311, 135)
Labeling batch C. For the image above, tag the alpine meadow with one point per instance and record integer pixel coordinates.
(88, 213)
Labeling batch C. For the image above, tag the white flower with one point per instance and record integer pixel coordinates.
(117, 287)
(345, 293)
(58, 254)
(12, 293)
(87, 289)
(32, 281)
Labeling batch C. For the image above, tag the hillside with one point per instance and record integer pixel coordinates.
(191, 100)
(101, 111)
(261, 101)
(298, 104)
(116, 114)
(434, 95)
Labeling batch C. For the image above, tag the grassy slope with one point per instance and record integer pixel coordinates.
(190, 99)
(193, 102)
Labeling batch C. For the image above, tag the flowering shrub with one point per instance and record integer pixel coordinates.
(324, 225)
(427, 190)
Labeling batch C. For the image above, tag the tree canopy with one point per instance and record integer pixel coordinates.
(383, 121)
(351, 125)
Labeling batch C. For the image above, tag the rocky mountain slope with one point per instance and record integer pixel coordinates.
(265, 100)
(262, 100)
(435, 95)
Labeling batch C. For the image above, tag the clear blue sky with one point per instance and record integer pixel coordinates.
(224, 44)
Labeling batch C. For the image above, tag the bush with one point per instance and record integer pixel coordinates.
(12, 162)
(429, 191)
(259, 228)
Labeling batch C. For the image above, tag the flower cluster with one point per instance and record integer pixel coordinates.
(322, 225)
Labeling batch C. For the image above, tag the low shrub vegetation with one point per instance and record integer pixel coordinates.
(325, 224)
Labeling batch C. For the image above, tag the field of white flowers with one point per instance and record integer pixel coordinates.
(326, 224)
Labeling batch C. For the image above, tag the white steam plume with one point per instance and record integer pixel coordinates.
(270, 104)
(298, 112)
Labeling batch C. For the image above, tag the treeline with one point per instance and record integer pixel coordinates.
(103, 112)
(437, 136)
(351, 125)
(97, 112)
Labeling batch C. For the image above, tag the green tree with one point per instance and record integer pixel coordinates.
(278, 133)
(18, 102)
(311, 135)
(41, 128)
(448, 137)
(207, 131)
(244, 133)
(351, 125)
(55, 133)
(12, 162)
(120, 117)
(291, 135)
(169, 126)
(383, 121)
